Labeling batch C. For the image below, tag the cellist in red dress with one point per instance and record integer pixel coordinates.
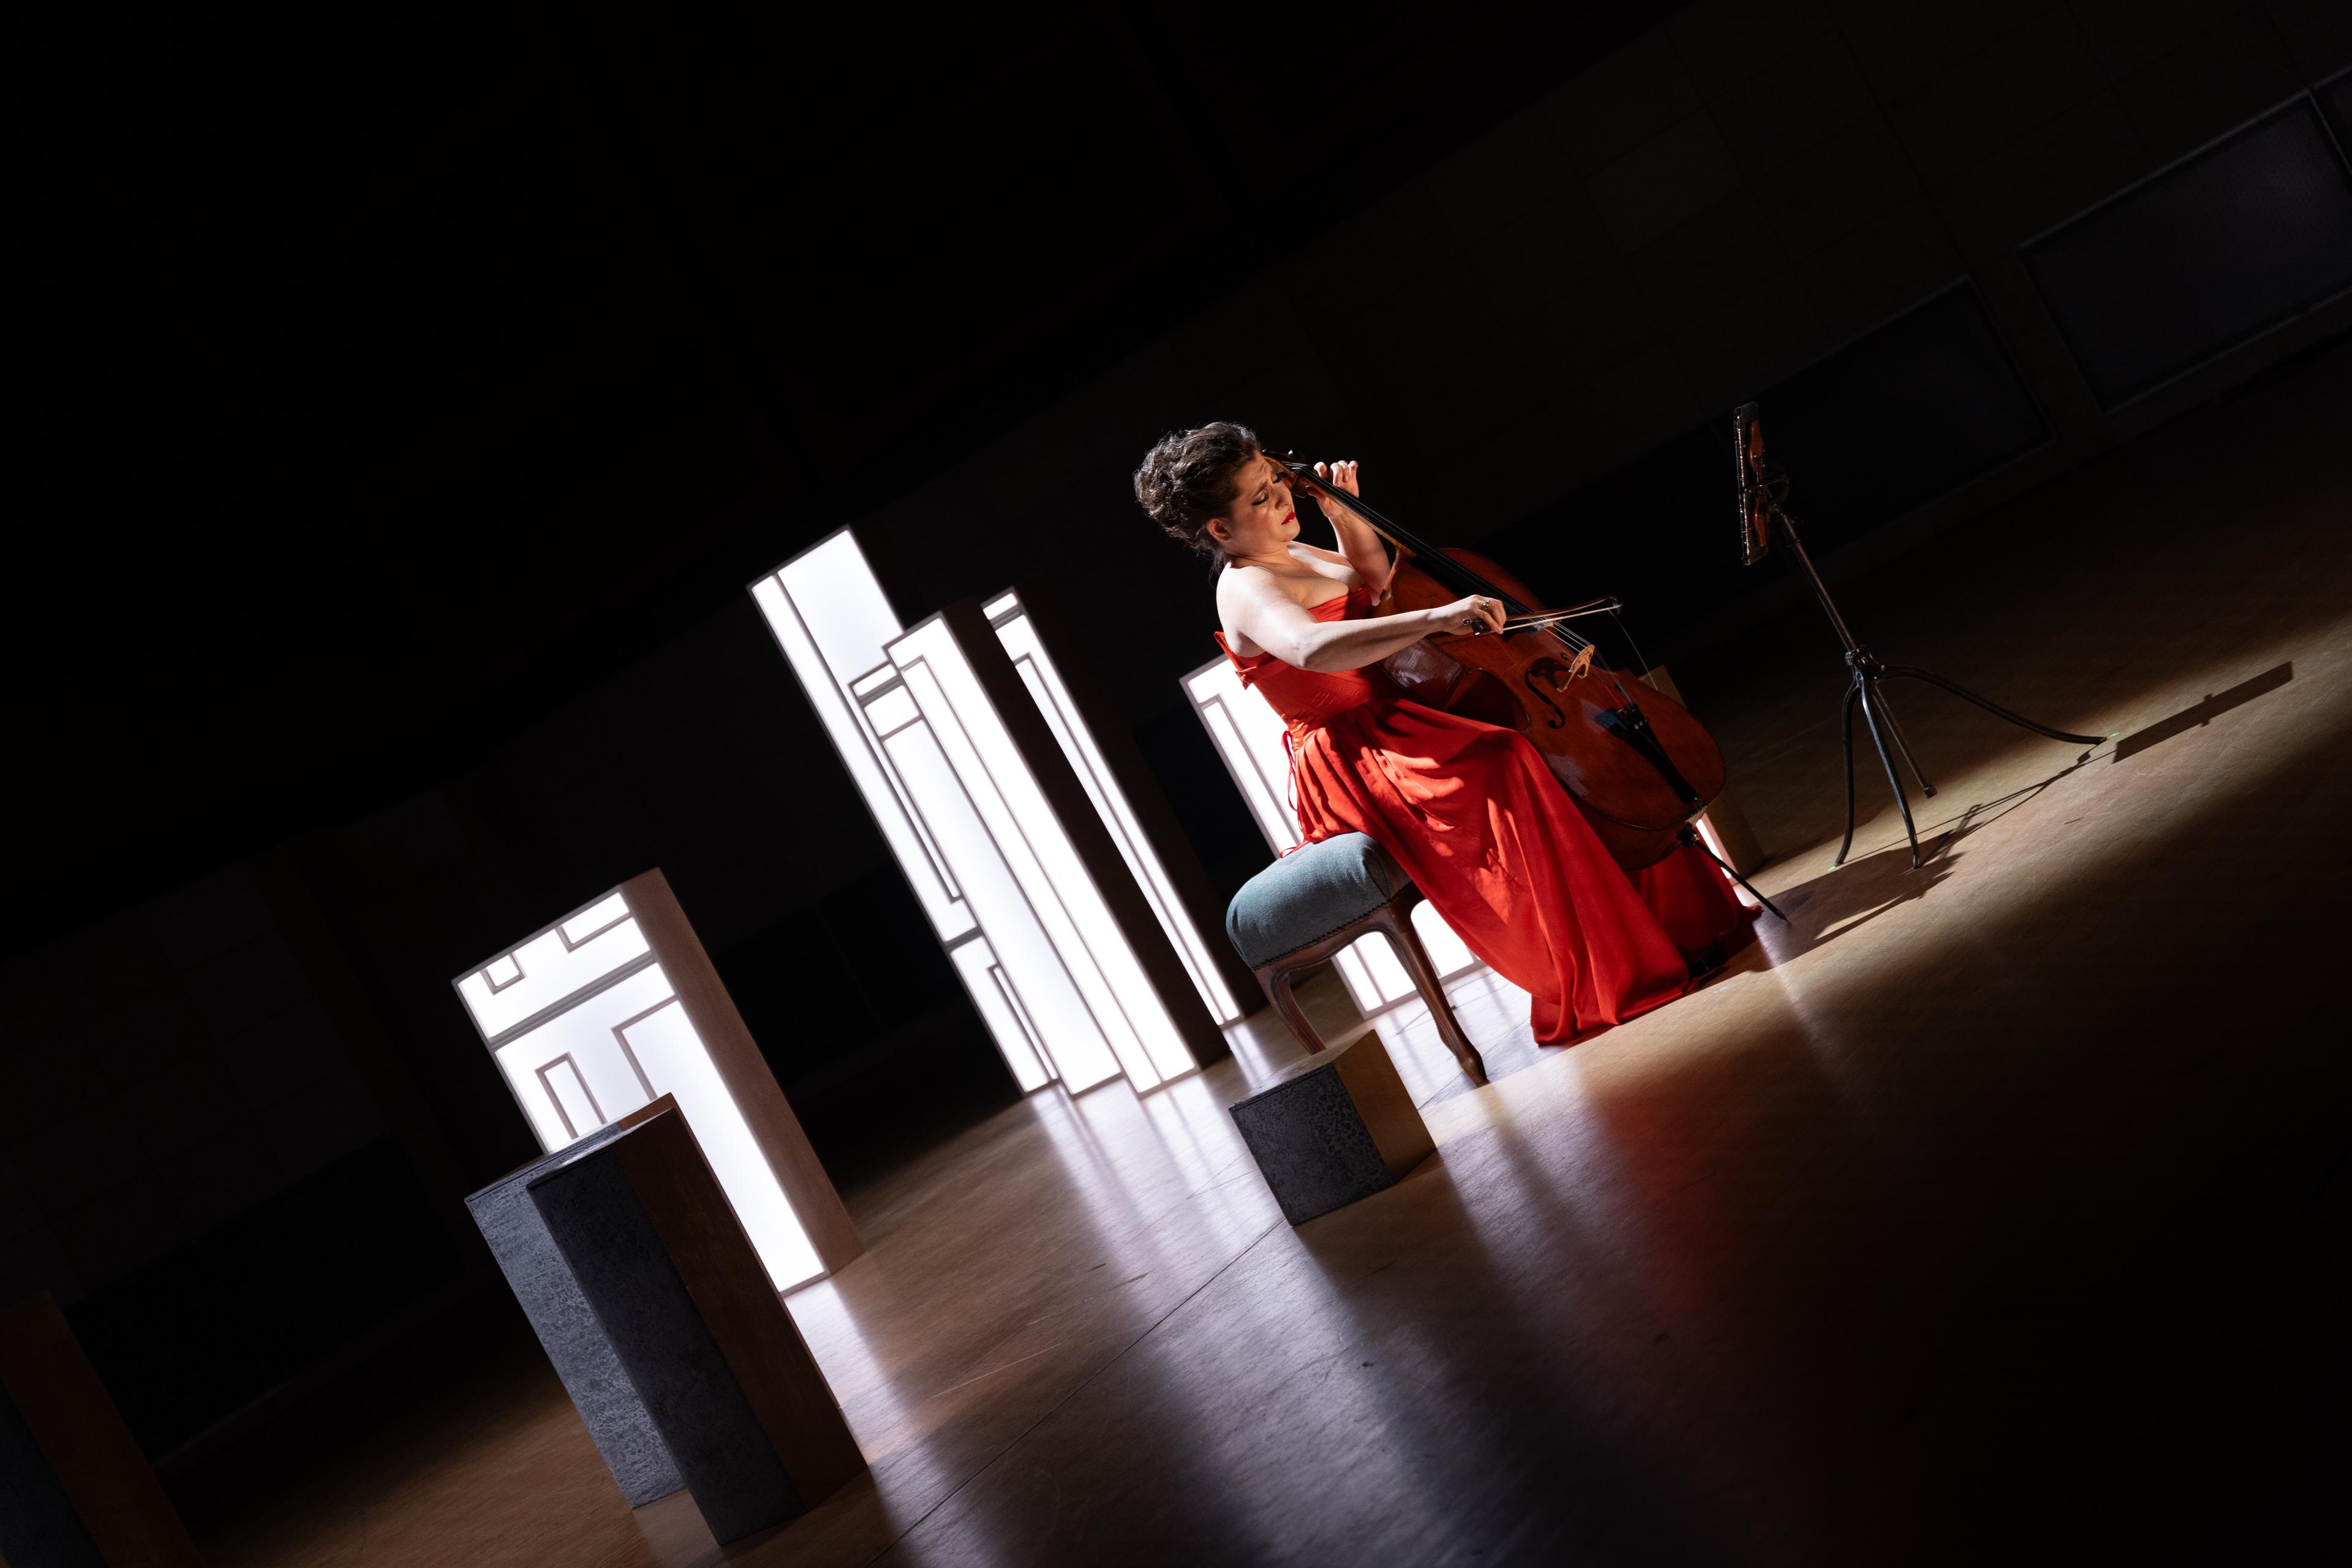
(1469, 809)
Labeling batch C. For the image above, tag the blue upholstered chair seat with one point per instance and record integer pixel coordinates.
(1308, 894)
(1309, 903)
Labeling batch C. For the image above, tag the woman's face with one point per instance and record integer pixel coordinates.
(1262, 519)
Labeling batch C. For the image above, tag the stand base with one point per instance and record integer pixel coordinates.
(1868, 673)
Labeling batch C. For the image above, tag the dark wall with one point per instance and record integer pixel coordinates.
(420, 388)
(400, 371)
(244, 1112)
(208, 1156)
(1826, 205)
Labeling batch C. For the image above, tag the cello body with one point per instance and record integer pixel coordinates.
(1634, 760)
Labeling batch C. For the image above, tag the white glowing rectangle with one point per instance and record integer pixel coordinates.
(832, 619)
(595, 919)
(1448, 954)
(586, 1025)
(1072, 1043)
(589, 1039)
(544, 970)
(1018, 634)
(1010, 803)
(1049, 974)
(837, 597)
(1254, 743)
(665, 1040)
(844, 725)
(1271, 811)
(892, 711)
(1001, 1010)
(567, 1087)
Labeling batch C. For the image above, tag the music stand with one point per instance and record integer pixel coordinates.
(1763, 489)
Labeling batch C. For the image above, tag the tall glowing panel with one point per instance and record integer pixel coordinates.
(997, 781)
(834, 625)
(1018, 634)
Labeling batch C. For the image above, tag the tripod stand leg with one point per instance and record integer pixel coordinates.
(1902, 745)
(1692, 836)
(1893, 781)
(1995, 709)
(1846, 737)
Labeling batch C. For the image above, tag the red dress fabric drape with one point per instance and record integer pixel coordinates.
(1477, 821)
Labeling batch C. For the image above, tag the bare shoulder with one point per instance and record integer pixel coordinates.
(1308, 583)
(1252, 600)
(1252, 585)
(1324, 563)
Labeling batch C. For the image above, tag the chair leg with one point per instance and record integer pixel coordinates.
(1275, 982)
(1407, 942)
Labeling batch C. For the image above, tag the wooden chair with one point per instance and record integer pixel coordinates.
(1316, 901)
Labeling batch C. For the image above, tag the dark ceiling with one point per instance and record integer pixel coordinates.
(398, 370)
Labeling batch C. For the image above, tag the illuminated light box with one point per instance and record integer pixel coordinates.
(1060, 1001)
(1027, 646)
(1015, 774)
(832, 619)
(617, 1005)
(1250, 737)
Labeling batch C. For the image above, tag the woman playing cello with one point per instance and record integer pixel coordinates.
(1468, 809)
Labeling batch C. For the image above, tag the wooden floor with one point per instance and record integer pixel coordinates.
(1992, 1211)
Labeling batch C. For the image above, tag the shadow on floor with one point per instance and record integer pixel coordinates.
(2189, 719)
(1842, 901)
(1851, 895)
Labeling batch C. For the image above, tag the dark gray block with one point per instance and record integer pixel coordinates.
(1335, 1128)
(38, 1527)
(584, 1359)
(724, 1456)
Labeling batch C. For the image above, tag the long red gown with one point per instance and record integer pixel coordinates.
(1477, 821)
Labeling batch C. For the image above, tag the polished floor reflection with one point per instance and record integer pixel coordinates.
(1990, 1212)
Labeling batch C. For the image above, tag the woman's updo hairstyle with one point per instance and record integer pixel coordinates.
(1193, 476)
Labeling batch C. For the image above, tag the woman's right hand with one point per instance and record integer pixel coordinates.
(1473, 616)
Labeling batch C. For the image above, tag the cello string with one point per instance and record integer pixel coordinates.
(1635, 649)
(1548, 618)
(1463, 578)
(1303, 476)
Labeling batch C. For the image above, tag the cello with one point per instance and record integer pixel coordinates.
(1635, 762)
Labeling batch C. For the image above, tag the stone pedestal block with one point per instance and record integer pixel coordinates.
(1332, 1129)
(688, 1308)
(75, 1492)
(575, 1343)
(617, 1005)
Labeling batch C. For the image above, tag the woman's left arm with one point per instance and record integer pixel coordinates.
(1365, 550)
